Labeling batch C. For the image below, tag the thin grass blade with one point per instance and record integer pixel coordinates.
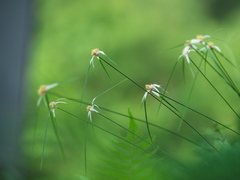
(146, 118)
(104, 68)
(55, 129)
(44, 141)
(85, 83)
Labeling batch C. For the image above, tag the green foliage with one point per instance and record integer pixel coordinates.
(217, 166)
(137, 35)
(128, 162)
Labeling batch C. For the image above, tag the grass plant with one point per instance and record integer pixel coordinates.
(133, 151)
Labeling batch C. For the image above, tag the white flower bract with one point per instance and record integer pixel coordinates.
(154, 88)
(199, 39)
(211, 45)
(53, 105)
(42, 91)
(91, 109)
(95, 53)
(186, 51)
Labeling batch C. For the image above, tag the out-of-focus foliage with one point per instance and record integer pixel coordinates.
(138, 35)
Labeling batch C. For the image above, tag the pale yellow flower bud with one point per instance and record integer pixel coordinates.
(89, 108)
(95, 52)
(42, 90)
(211, 44)
(52, 105)
(148, 87)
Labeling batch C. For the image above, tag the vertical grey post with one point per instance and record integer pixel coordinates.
(14, 32)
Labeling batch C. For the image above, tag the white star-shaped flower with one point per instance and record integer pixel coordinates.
(211, 45)
(186, 51)
(199, 39)
(154, 88)
(53, 105)
(91, 109)
(95, 53)
(42, 91)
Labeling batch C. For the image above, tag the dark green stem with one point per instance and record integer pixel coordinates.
(162, 102)
(230, 81)
(216, 89)
(146, 118)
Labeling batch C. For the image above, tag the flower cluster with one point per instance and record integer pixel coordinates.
(191, 46)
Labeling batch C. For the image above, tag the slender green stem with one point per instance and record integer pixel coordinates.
(137, 136)
(163, 104)
(188, 99)
(55, 129)
(227, 75)
(44, 142)
(85, 83)
(183, 70)
(146, 118)
(226, 59)
(174, 47)
(211, 119)
(147, 151)
(207, 117)
(223, 75)
(216, 90)
(105, 69)
(35, 129)
(108, 132)
(206, 61)
(85, 148)
(221, 71)
(168, 82)
(154, 125)
(137, 119)
(122, 74)
(141, 138)
(110, 88)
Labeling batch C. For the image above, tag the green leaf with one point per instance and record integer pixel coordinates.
(130, 162)
(132, 124)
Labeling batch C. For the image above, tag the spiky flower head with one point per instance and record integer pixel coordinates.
(53, 105)
(210, 44)
(42, 90)
(91, 108)
(187, 49)
(96, 52)
(199, 39)
(154, 88)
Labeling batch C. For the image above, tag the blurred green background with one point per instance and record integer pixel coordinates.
(138, 35)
